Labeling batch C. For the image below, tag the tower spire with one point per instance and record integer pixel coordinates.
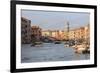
(67, 30)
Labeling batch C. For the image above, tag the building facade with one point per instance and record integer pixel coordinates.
(36, 33)
(80, 33)
(87, 33)
(47, 33)
(25, 31)
(57, 34)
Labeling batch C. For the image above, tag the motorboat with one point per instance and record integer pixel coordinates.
(57, 42)
(36, 44)
(81, 48)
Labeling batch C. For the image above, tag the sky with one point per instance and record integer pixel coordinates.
(56, 20)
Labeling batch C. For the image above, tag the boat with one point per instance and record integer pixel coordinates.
(57, 42)
(69, 43)
(36, 44)
(81, 49)
(87, 50)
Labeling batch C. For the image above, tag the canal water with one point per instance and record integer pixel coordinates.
(49, 52)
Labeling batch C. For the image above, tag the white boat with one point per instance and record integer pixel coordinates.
(81, 48)
(66, 45)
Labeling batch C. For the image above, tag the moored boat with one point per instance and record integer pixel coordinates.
(36, 44)
(81, 49)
